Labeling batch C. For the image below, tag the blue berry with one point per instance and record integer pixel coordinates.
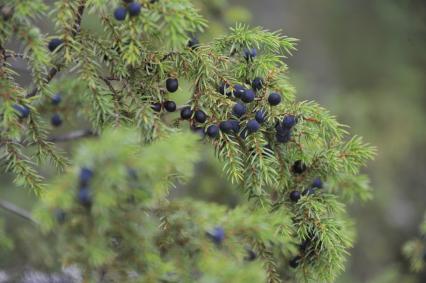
(239, 91)
(299, 167)
(120, 13)
(156, 107)
(289, 121)
(235, 126)
(213, 131)
(23, 111)
(86, 174)
(253, 126)
(257, 84)
(134, 9)
(200, 116)
(249, 54)
(226, 126)
(172, 84)
(295, 262)
(283, 136)
(248, 96)
(260, 116)
(85, 197)
(317, 183)
(295, 196)
(60, 216)
(56, 99)
(274, 99)
(186, 113)
(193, 43)
(217, 235)
(239, 109)
(224, 89)
(56, 120)
(54, 43)
(170, 106)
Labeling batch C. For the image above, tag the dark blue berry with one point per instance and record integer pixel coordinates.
(213, 131)
(224, 89)
(304, 245)
(85, 196)
(257, 84)
(56, 99)
(289, 121)
(274, 99)
(283, 136)
(170, 106)
(317, 183)
(253, 126)
(23, 111)
(295, 262)
(156, 107)
(295, 196)
(217, 235)
(235, 126)
(238, 91)
(260, 116)
(186, 113)
(248, 96)
(172, 84)
(54, 43)
(60, 216)
(120, 13)
(193, 43)
(299, 167)
(200, 116)
(86, 174)
(239, 109)
(249, 54)
(134, 8)
(226, 126)
(56, 120)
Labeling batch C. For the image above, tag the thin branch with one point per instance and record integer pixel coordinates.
(75, 135)
(10, 207)
(54, 70)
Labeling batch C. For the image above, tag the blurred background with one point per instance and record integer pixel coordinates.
(365, 60)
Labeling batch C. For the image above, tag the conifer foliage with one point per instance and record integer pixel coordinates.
(415, 250)
(108, 206)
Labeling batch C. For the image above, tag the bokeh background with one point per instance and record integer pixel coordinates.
(365, 60)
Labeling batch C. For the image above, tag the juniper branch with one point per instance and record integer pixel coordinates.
(75, 135)
(55, 70)
(12, 208)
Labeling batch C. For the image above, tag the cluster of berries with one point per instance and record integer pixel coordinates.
(172, 85)
(56, 119)
(84, 195)
(133, 8)
(238, 110)
(299, 167)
